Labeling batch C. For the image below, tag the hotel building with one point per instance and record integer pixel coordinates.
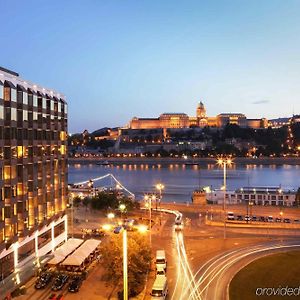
(33, 177)
(182, 120)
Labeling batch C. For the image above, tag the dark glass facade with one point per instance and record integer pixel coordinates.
(33, 160)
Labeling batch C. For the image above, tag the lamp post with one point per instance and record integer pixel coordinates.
(160, 187)
(224, 161)
(249, 210)
(122, 208)
(125, 265)
(142, 229)
(149, 198)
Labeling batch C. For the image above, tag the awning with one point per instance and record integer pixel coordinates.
(10, 84)
(40, 94)
(78, 257)
(21, 88)
(49, 96)
(62, 252)
(32, 91)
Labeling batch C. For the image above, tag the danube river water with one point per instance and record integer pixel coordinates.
(180, 180)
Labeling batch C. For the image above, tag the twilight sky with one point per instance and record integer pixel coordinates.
(118, 59)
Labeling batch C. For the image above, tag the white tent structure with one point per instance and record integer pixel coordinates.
(63, 251)
(83, 252)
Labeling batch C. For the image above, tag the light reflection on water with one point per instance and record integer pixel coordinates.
(181, 180)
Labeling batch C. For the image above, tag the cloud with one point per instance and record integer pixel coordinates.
(261, 102)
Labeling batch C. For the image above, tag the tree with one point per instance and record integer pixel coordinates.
(86, 202)
(139, 262)
(76, 201)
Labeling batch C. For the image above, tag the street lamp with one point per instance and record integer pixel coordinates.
(249, 206)
(224, 161)
(122, 208)
(110, 215)
(141, 229)
(160, 187)
(149, 199)
(125, 265)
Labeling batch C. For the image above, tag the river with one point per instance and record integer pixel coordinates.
(180, 180)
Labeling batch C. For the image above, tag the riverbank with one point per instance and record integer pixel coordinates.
(182, 161)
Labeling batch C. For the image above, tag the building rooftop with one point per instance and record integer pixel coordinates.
(13, 78)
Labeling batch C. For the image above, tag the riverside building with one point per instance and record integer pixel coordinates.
(33, 165)
(182, 120)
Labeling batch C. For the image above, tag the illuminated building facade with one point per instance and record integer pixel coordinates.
(181, 120)
(33, 163)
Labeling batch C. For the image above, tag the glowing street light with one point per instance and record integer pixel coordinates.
(111, 215)
(142, 228)
(149, 199)
(122, 207)
(224, 161)
(160, 187)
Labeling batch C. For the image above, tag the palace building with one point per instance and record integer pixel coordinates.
(182, 120)
(33, 165)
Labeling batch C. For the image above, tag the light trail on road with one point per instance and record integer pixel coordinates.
(213, 280)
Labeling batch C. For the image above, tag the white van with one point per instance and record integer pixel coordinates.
(160, 288)
(161, 261)
(160, 271)
(230, 216)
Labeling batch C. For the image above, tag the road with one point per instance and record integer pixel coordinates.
(213, 278)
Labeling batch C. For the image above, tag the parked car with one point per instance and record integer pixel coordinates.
(118, 229)
(75, 284)
(43, 280)
(296, 221)
(239, 218)
(59, 282)
(270, 219)
(254, 218)
(247, 218)
(262, 219)
(278, 220)
(286, 220)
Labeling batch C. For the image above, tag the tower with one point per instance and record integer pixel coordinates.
(201, 111)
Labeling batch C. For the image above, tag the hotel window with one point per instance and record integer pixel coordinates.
(59, 107)
(25, 98)
(30, 100)
(13, 114)
(55, 106)
(25, 115)
(13, 95)
(7, 93)
(1, 112)
(1, 90)
(13, 152)
(20, 96)
(6, 173)
(44, 103)
(35, 101)
(52, 105)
